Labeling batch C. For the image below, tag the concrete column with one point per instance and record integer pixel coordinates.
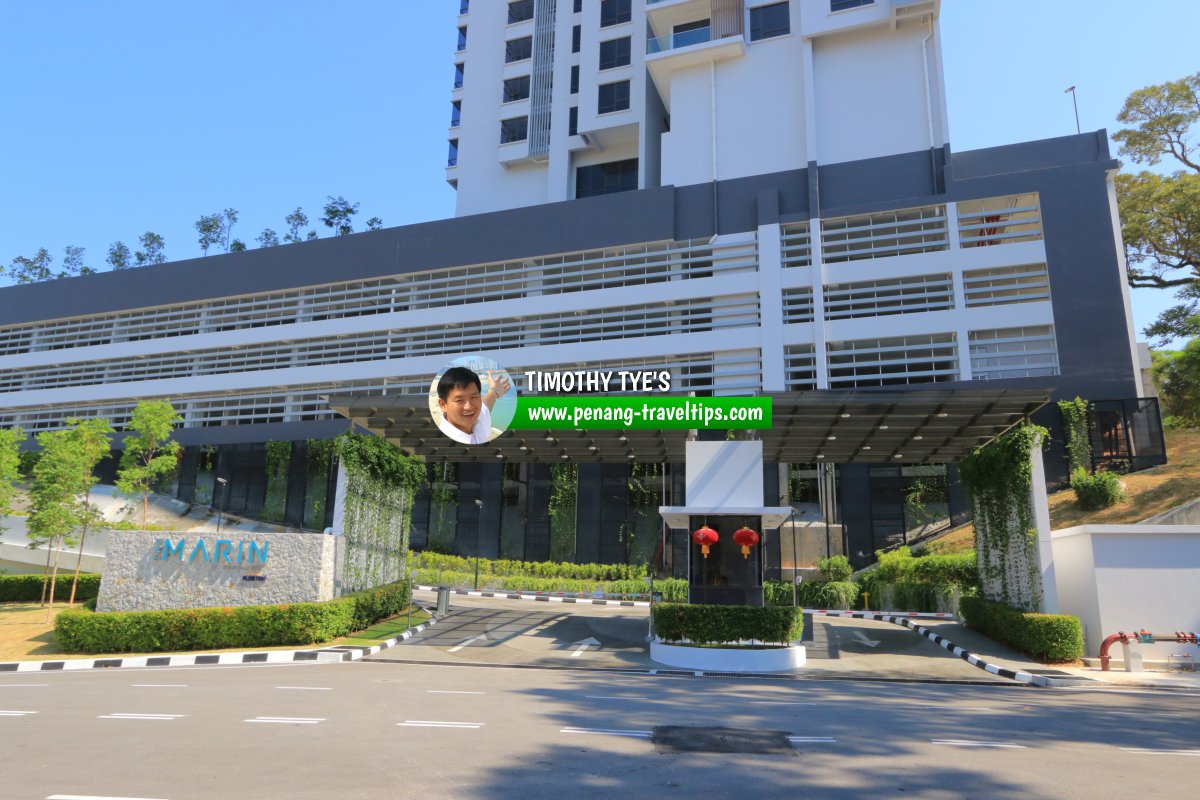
(1041, 519)
(770, 293)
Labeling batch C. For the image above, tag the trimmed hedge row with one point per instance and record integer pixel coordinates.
(673, 589)
(28, 588)
(677, 622)
(215, 628)
(1046, 637)
(427, 562)
(814, 594)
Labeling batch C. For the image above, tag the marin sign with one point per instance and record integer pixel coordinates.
(221, 551)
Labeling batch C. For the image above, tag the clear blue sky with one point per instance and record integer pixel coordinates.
(132, 115)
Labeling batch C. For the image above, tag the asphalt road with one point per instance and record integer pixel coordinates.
(403, 729)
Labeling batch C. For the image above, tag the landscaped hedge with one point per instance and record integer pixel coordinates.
(811, 594)
(28, 588)
(1046, 637)
(427, 563)
(676, 622)
(214, 628)
(673, 589)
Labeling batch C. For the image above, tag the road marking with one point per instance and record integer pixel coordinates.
(92, 797)
(582, 645)
(458, 647)
(779, 703)
(142, 716)
(812, 740)
(21, 685)
(448, 691)
(16, 713)
(308, 688)
(429, 723)
(862, 639)
(608, 697)
(288, 720)
(608, 732)
(965, 743)
(159, 685)
(1149, 752)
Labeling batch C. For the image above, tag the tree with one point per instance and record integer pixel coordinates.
(1177, 376)
(1160, 214)
(374, 224)
(61, 491)
(237, 246)
(337, 215)
(296, 222)
(229, 218)
(118, 256)
(149, 455)
(73, 263)
(152, 250)
(209, 229)
(10, 467)
(268, 238)
(32, 270)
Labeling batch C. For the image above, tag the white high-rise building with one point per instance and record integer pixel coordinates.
(556, 100)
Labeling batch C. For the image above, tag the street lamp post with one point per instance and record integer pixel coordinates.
(478, 522)
(1071, 91)
(223, 482)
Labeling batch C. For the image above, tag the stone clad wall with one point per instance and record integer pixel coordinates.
(141, 574)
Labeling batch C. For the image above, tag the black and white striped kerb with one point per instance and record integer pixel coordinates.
(324, 655)
(542, 596)
(942, 641)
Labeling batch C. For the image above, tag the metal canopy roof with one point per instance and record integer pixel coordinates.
(835, 426)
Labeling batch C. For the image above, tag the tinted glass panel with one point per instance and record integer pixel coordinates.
(842, 5)
(575, 35)
(616, 176)
(459, 70)
(573, 121)
(452, 159)
(613, 97)
(768, 21)
(614, 12)
(518, 49)
(614, 53)
(516, 89)
(515, 129)
(575, 79)
(520, 10)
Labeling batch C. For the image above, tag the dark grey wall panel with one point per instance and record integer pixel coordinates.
(1087, 148)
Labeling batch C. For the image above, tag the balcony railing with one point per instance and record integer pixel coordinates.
(661, 44)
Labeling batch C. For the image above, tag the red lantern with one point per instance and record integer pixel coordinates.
(747, 539)
(705, 537)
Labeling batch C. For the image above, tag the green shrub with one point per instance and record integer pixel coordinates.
(28, 588)
(959, 568)
(836, 568)
(894, 566)
(811, 594)
(87, 631)
(1047, 637)
(428, 563)
(675, 622)
(674, 590)
(1094, 492)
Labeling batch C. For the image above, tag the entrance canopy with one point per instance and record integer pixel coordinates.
(834, 426)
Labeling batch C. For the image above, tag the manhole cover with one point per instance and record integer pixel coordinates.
(674, 739)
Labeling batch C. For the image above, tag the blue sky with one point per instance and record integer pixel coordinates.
(132, 115)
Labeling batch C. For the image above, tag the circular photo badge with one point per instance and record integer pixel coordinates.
(472, 399)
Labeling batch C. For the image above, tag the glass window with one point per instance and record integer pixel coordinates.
(575, 79)
(573, 121)
(462, 37)
(842, 5)
(452, 159)
(518, 49)
(769, 21)
(575, 35)
(464, 6)
(519, 11)
(514, 129)
(455, 113)
(615, 176)
(614, 53)
(578, 9)
(459, 71)
(516, 89)
(613, 97)
(614, 12)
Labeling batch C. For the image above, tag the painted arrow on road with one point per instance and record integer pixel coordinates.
(582, 645)
(862, 639)
(458, 647)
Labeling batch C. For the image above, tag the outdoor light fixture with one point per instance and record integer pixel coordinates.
(845, 416)
(224, 482)
(831, 438)
(918, 438)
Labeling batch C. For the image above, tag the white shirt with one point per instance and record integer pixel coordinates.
(481, 433)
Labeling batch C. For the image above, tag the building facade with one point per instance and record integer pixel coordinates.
(842, 244)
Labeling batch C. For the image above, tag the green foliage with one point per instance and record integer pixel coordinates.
(564, 479)
(999, 477)
(297, 221)
(279, 457)
(1177, 376)
(1076, 428)
(958, 568)
(893, 566)
(10, 467)
(149, 456)
(28, 588)
(811, 594)
(32, 270)
(1179, 424)
(675, 622)
(214, 628)
(427, 563)
(28, 460)
(338, 213)
(1047, 637)
(152, 250)
(62, 479)
(835, 568)
(118, 256)
(1094, 492)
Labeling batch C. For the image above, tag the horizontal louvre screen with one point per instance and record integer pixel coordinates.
(999, 220)
(797, 245)
(892, 296)
(798, 305)
(800, 367)
(1028, 283)
(1014, 353)
(893, 362)
(887, 233)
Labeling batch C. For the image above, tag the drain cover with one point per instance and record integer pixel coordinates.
(674, 739)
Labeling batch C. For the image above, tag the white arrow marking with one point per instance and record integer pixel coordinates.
(458, 647)
(862, 639)
(582, 645)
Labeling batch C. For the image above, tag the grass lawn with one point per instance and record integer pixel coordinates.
(25, 635)
(1151, 492)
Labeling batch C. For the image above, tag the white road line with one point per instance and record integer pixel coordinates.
(429, 723)
(21, 685)
(448, 691)
(288, 720)
(966, 743)
(458, 647)
(778, 703)
(92, 797)
(812, 740)
(1149, 752)
(607, 732)
(308, 688)
(159, 685)
(612, 697)
(16, 713)
(142, 716)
